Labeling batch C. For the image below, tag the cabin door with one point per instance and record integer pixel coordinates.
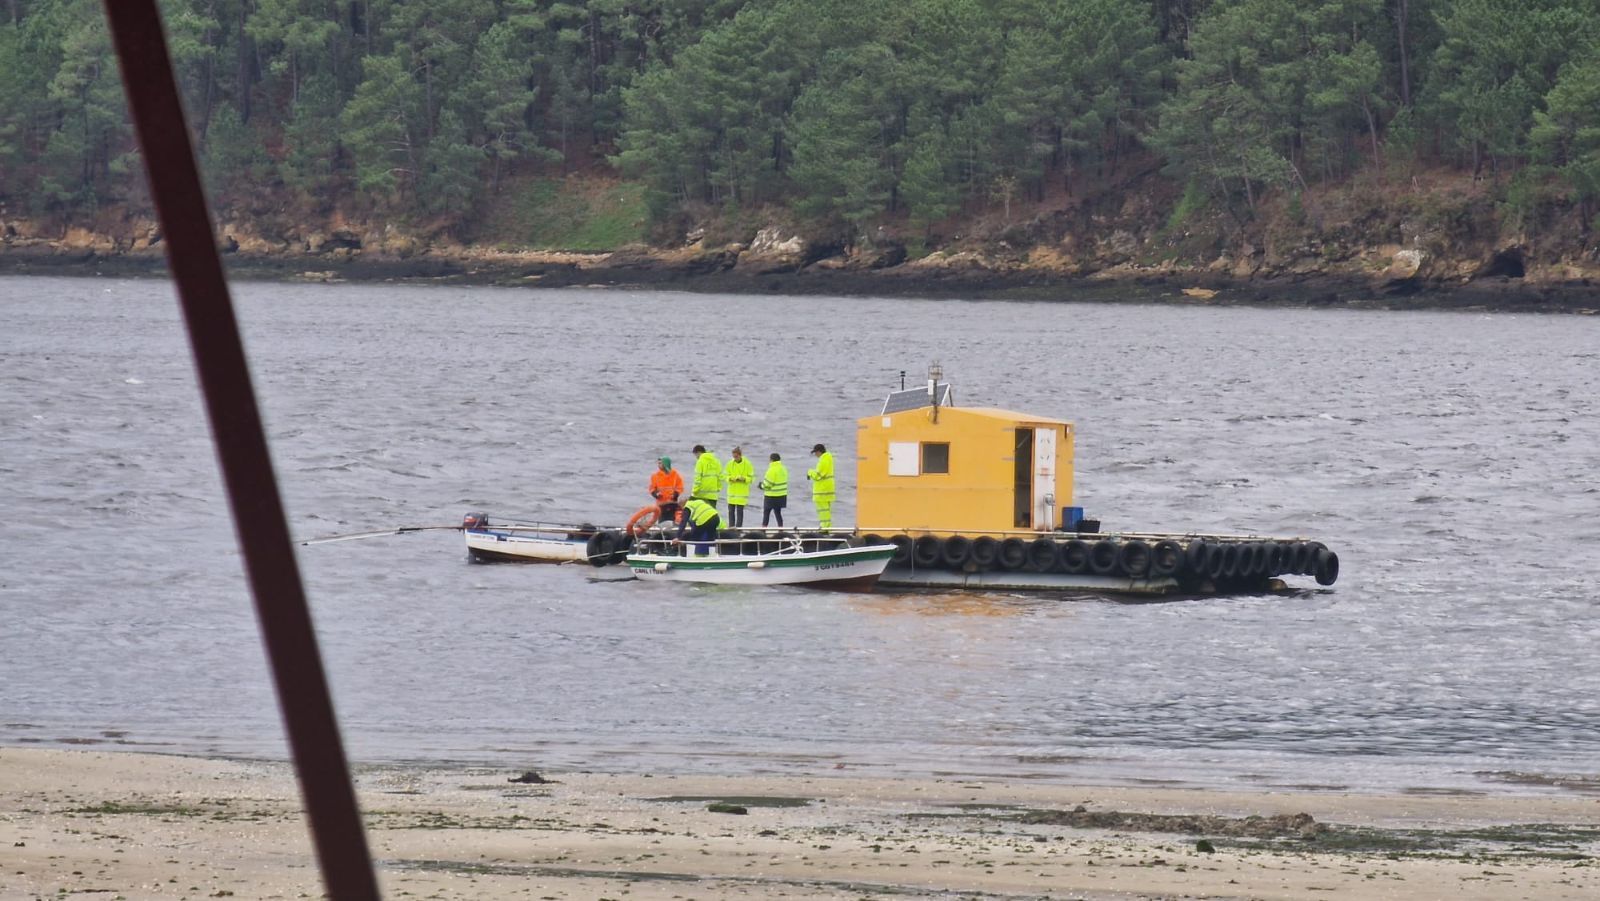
(1022, 489)
(1044, 479)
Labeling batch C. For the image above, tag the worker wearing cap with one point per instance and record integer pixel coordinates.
(822, 486)
(700, 521)
(666, 486)
(775, 487)
(707, 476)
(739, 474)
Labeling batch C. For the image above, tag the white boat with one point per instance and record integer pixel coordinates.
(811, 562)
(496, 546)
(517, 542)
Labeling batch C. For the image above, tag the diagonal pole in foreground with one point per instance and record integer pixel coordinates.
(241, 444)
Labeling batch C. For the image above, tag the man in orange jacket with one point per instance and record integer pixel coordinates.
(666, 486)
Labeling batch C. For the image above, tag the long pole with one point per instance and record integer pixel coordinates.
(241, 444)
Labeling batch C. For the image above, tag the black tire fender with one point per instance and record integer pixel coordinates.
(1103, 557)
(957, 550)
(1075, 557)
(1043, 555)
(1274, 559)
(1230, 560)
(1217, 561)
(1327, 567)
(1166, 558)
(1245, 562)
(1013, 554)
(623, 544)
(903, 549)
(1133, 558)
(596, 551)
(1308, 566)
(985, 551)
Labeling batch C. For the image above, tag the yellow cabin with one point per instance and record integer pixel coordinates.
(930, 467)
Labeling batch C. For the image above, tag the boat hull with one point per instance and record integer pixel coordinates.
(525, 547)
(848, 569)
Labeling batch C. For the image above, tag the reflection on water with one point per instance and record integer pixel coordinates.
(1447, 457)
(945, 603)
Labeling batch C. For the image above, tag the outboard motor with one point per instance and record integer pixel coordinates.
(475, 522)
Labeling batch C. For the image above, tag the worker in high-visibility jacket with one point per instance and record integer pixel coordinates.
(822, 486)
(739, 474)
(666, 486)
(700, 521)
(707, 476)
(775, 488)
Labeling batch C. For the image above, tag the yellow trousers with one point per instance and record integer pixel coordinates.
(824, 504)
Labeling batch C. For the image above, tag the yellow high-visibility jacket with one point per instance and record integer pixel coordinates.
(739, 474)
(822, 477)
(776, 482)
(707, 478)
(698, 512)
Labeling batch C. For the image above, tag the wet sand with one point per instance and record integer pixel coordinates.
(148, 826)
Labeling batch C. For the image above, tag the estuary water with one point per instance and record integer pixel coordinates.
(1452, 459)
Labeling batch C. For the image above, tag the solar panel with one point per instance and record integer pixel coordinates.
(914, 398)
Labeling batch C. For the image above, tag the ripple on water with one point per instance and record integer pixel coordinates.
(1446, 457)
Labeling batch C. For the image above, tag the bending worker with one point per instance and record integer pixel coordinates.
(739, 473)
(666, 486)
(701, 521)
(822, 486)
(775, 486)
(707, 477)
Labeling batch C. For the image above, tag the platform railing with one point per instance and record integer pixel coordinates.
(664, 542)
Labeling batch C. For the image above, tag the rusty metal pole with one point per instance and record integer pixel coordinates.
(242, 453)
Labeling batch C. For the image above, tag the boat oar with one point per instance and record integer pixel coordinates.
(399, 530)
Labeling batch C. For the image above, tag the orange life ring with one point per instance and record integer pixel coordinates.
(642, 520)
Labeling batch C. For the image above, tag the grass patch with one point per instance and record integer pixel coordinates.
(577, 214)
(1300, 832)
(115, 808)
(388, 819)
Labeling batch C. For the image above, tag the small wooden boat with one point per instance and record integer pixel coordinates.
(533, 542)
(812, 562)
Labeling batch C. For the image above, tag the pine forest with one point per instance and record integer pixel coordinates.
(850, 116)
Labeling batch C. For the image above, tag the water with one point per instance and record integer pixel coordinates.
(1450, 459)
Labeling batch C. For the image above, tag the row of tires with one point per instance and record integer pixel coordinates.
(1218, 561)
(1191, 560)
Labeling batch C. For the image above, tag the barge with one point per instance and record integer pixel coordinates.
(982, 498)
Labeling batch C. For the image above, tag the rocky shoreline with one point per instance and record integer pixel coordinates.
(1399, 280)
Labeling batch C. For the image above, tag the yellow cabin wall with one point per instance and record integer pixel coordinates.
(976, 496)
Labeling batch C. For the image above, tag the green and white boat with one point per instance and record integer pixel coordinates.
(812, 561)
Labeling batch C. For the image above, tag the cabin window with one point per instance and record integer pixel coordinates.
(935, 457)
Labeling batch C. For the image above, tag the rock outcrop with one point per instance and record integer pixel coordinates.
(1449, 253)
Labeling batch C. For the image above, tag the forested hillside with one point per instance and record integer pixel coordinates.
(849, 116)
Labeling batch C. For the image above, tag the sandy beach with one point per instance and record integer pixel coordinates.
(131, 825)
